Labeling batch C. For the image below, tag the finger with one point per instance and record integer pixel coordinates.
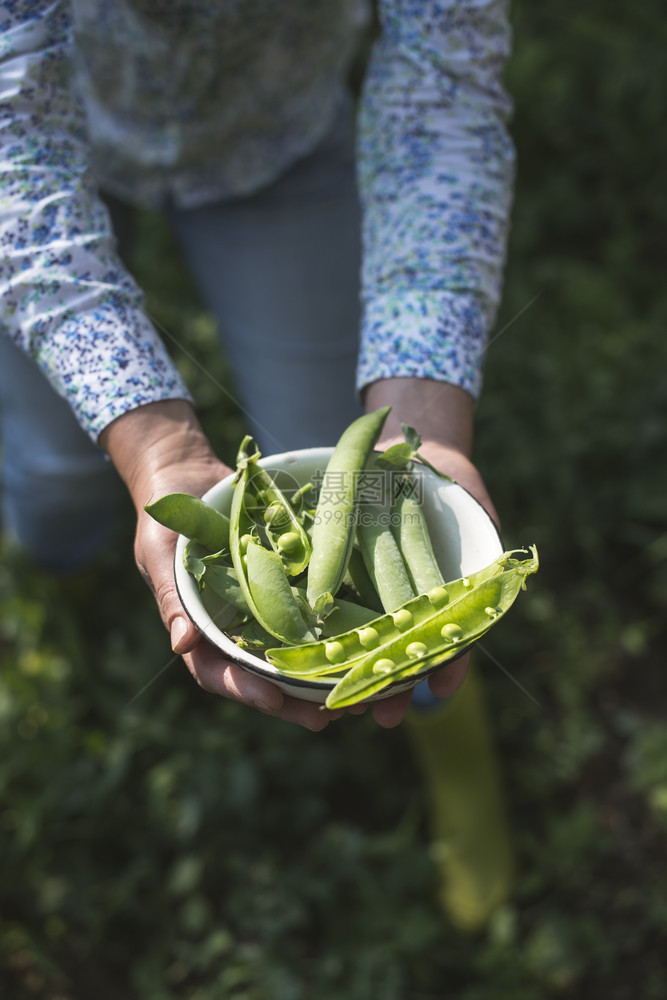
(183, 635)
(222, 677)
(390, 712)
(445, 682)
(154, 554)
(360, 709)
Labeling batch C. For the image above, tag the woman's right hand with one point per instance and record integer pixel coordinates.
(160, 448)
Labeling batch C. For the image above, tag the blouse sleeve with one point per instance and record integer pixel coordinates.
(65, 297)
(436, 170)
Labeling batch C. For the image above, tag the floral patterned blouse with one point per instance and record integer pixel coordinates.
(139, 97)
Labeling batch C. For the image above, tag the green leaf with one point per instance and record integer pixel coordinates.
(395, 457)
(412, 438)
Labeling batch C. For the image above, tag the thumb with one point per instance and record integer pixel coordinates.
(154, 549)
(183, 635)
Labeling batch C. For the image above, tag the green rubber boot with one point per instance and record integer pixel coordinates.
(470, 837)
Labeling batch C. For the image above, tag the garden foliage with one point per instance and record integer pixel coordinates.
(159, 843)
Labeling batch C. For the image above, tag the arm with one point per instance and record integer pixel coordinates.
(435, 177)
(66, 299)
(435, 171)
(68, 302)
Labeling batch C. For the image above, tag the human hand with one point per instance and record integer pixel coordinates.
(159, 449)
(443, 415)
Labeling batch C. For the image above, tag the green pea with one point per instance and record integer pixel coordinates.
(335, 652)
(403, 619)
(289, 542)
(416, 650)
(451, 632)
(369, 637)
(275, 516)
(438, 596)
(383, 666)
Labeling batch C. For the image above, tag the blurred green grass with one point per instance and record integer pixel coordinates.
(167, 844)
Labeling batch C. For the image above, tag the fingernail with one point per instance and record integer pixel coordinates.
(179, 627)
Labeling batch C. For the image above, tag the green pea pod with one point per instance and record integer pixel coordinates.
(346, 615)
(359, 579)
(407, 624)
(410, 530)
(382, 557)
(275, 516)
(252, 636)
(335, 514)
(260, 570)
(269, 595)
(339, 652)
(437, 640)
(221, 593)
(224, 581)
(192, 517)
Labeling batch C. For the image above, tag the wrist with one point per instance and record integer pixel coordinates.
(443, 414)
(148, 443)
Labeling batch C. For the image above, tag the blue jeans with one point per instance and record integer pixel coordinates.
(280, 272)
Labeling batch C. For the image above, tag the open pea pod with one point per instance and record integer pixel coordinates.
(260, 571)
(464, 609)
(436, 640)
(272, 513)
(339, 652)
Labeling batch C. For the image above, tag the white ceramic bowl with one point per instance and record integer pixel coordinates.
(464, 539)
